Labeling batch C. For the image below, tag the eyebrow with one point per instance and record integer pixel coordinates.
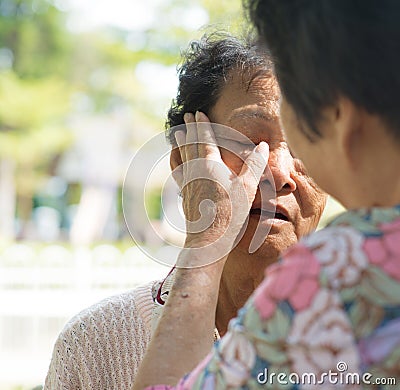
(258, 114)
(249, 114)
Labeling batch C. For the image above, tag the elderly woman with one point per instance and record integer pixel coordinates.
(327, 315)
(233, 83)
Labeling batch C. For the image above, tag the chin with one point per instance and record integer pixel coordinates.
(275, 243)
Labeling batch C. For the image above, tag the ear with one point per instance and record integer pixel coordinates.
(349, 132)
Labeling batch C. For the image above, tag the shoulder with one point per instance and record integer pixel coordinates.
(108, 331)
(121, 311)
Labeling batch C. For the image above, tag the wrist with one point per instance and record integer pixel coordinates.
(196, 254)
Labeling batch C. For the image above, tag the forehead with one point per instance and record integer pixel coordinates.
(243, 90)
(249, 102)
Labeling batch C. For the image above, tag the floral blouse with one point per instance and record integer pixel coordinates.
(327, 316)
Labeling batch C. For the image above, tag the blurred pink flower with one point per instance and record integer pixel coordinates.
(237, 358)
(294, 279)
(321, 336)
(340, 252)
(384, 251)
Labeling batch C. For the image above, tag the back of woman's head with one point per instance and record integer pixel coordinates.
(205, 68)
(326, 48)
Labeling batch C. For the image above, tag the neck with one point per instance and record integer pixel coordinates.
(371, 175)
(241, 276)
(379, 183)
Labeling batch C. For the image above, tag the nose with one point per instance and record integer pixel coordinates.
(280, 167)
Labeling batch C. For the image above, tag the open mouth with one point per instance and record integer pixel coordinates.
(268, 214)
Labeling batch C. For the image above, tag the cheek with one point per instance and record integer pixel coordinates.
(311, 201)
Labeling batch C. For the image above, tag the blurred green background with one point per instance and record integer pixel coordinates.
(83, 84)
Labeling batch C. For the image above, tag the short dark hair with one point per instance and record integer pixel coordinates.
(204, 71)
(326, 48)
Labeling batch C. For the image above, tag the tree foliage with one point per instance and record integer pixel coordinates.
(45, 69)
(34, 34)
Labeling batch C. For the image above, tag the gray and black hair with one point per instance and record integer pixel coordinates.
(205, 69)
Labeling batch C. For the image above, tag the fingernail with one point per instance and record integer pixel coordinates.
(262, 147)
(198, 116)
(186, 117)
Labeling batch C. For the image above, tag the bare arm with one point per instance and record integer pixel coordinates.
(184, 333)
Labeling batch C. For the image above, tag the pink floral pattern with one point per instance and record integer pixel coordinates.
(339, 250)
(237, 358)
(295, 280)
(313, 310)
(321, 335)
(384, 251)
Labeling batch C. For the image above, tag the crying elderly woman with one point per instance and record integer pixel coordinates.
(231, 82)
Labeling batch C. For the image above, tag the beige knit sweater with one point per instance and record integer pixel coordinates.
(101, 347)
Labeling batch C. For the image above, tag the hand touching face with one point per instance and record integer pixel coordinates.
(253, 110)
(216, 200)
(287, 203)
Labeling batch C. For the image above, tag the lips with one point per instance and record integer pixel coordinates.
(279, 213)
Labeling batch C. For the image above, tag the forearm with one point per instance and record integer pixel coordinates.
(184, 334)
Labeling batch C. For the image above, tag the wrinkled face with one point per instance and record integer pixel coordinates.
(253, 110)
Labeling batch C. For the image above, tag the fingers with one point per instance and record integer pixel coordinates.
(199, 140)
(208, 146)
(191, 143)
(254, 167)
(180, 137)
(178, 175)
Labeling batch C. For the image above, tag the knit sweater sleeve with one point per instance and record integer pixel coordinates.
(102, 347)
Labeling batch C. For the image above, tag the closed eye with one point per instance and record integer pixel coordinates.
(299, 166)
